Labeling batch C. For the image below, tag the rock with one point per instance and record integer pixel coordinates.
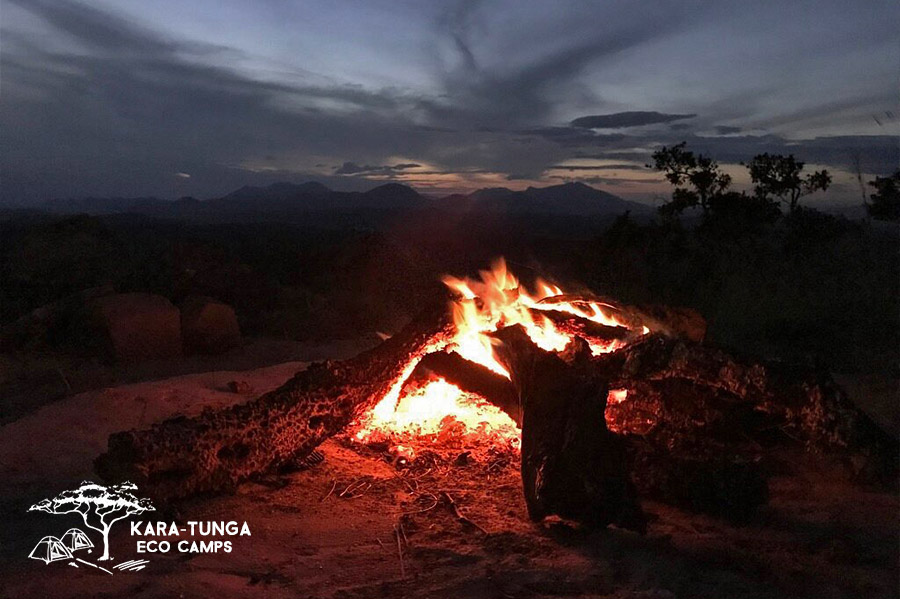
(240, 387)
(137, 326)
(208, 326)
(60, 323)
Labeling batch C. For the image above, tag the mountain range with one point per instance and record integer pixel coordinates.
(292, 201)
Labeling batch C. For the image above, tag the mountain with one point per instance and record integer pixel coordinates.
(394, 196)
(93, 205)
(278, 191)
(315, 197)
(313, 202)
(568, 199)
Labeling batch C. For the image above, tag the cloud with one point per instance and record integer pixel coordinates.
(114, 113)
(598, 167)
(622, 120)
(608, 181)
(476, 92)
(727, 130)
(351, 168)
(104, 104)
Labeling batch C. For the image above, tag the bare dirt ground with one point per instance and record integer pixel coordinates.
(361, 526)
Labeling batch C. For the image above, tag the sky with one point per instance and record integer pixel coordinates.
(172, 98)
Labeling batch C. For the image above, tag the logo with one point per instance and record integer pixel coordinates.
(99, 507)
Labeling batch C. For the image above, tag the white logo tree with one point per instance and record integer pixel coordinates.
(100, 507)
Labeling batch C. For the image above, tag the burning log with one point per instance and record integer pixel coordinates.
(581, 327)
(690, 447)
(470, 377)
(581, 465)
(693, 417)
(669, 455)
(685, 423)
(683, 323)
(730, 395)
(572, 465)
(220, 448)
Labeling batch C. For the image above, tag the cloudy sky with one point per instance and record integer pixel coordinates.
(172, 98)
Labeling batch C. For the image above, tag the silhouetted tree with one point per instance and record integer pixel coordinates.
(777, 176)
(697, 178)
(885, 204)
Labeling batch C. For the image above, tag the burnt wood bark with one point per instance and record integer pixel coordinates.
(572, 466)
(724, 397)
(696, 413)
(679, 444)
(220, 448)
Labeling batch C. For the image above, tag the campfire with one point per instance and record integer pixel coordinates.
(603, 403)
(432, 408)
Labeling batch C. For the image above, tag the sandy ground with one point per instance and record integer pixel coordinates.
(395, 532)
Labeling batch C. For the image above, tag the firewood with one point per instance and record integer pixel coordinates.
(582, 327)
(675, 322)
(220, 448)
(572, 465)
(682, 443)
(749, 400)
(710, 478)
(470, 377)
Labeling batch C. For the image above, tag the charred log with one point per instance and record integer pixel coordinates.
(711, 478)
(689, 447)
(671, 440)
(220, 448)
(470, 377)
(683, 323)
(572, 465)
(582, 327)
(742, 399)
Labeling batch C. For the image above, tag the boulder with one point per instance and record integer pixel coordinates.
(208, 326)
(137, 326)
(54, 325)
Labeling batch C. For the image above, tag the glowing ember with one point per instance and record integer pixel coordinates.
(616, 396)
(496, 299)
(439, 408)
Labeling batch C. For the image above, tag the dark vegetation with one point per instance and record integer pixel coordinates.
(774, 278)
(885, 203)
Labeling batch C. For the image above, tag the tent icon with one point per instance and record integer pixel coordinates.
(75, 540)
(50, 549)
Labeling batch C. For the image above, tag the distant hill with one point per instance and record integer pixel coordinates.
(315, 202)
(93, 205)
(570, 199)
(315, 197)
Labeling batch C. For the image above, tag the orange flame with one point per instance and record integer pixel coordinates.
(481, 306)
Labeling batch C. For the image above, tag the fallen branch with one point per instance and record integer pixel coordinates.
(220, 448)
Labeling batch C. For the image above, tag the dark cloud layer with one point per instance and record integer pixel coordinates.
(599, 167)
(107, 103)
(622, 120)
(351, 168)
